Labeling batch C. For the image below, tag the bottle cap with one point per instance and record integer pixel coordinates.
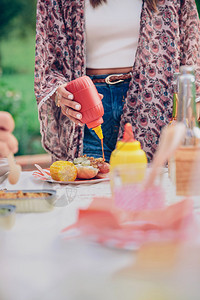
(98, 132)
(128, 142)
(128, 133)
(186, 69)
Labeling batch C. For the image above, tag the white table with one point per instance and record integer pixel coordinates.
(35, 263)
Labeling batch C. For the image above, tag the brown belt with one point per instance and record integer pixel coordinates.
(113, 78)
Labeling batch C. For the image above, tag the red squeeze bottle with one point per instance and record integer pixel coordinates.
(86, 94)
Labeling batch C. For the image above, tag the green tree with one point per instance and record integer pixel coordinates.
(18, 16)
(26, 20)
(9, 10)
(198, 6)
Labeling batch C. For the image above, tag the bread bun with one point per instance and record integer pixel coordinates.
(102, 175)
(86, 172)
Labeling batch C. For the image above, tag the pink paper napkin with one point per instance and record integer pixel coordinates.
(105, 223)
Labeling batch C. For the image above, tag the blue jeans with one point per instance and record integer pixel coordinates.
(113, 101)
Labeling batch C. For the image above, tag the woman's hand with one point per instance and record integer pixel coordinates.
(8, 143)
(69, 107)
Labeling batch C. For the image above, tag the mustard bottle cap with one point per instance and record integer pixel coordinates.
(128, 142)
(98, 131)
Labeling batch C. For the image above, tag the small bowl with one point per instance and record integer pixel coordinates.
(7, 216)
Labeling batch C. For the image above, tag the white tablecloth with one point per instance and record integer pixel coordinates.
(35, 263)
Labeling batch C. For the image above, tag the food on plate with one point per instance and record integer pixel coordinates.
(83, 167)
(20, 194)
(63, 171)
(86, 172)
(90, 167)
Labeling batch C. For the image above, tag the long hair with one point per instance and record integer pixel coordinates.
(150, 3)
(96, 3)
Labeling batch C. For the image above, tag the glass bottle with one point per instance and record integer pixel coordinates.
(186, 111)
(185, 171)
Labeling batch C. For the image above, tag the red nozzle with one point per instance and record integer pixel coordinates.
(128, 135)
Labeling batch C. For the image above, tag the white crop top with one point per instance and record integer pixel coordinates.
(112, 31)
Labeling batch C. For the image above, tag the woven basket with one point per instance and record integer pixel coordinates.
(184, 170)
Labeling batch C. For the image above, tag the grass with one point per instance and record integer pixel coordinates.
(18, 53)
(18, 74)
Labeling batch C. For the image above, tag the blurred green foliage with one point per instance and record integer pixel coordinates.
(17, 92)
(27, 129)
(9, 99)
(17, 15)
(17, 46)
(9, 10)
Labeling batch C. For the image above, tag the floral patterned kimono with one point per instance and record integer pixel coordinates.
(168, 38)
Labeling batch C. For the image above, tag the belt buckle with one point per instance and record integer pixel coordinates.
(107, 79)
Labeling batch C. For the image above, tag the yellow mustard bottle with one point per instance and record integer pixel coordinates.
(128, 161)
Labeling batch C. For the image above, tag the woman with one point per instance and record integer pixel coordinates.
(145, 41)
(8, 142)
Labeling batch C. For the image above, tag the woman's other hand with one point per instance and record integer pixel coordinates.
(8, 143)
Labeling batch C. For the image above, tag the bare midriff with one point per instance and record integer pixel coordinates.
(108, 71)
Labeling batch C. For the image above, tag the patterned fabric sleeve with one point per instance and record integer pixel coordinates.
(48, 58)
(58, 60)
(49, 75)
(190, 38)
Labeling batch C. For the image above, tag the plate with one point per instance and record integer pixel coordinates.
(40, 176)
